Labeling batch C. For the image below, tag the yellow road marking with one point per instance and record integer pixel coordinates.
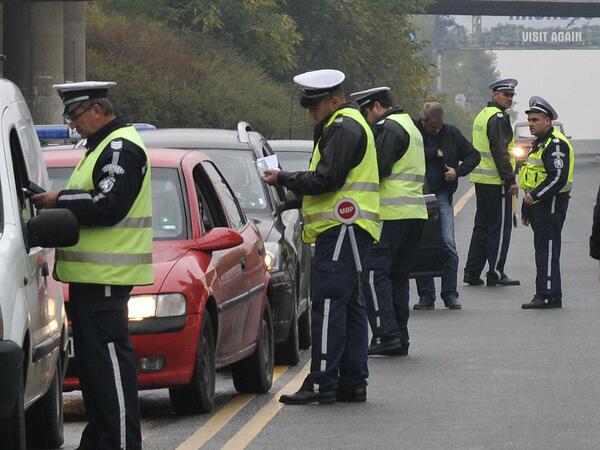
(254, 426)
(460, 204)
(223, 416)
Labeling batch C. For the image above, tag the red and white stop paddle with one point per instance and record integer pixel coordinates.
(346, 211)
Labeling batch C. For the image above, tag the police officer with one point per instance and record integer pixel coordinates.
(547, 178)
(109, 193)
(495, 185)
(401, 162)
(343, 165)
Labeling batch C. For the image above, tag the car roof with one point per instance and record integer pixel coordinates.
(194, 138)
(159, 157)
(291, 145)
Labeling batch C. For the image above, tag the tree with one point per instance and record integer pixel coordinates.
(370, 40)
(184, 79)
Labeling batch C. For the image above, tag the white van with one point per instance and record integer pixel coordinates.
(33, 326)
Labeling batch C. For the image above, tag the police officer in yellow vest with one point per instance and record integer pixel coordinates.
(109, 193)
(547, 179)
(401, 162)
(495, 185)
(343, 165)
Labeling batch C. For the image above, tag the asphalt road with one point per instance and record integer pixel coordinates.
(490, 376)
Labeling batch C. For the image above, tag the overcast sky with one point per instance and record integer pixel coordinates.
(568, 79)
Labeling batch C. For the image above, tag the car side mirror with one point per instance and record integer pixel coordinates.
(53, 228)
(219, 238)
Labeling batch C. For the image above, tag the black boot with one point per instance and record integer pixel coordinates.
(306, 395)
(386, 346)
(424, 304)
(452, 303)
(472, 279)
(354, 395)
(504, 280)
(541, 303)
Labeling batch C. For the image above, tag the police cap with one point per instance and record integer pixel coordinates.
(539, 105)
(318, 84)
(370, 96)
(73, 94)
(507, 85)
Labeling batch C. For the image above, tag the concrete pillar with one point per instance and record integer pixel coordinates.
(33, 38)
(74, 41)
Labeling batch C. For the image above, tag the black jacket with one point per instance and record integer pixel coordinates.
(342, 145)
(117, 176)
(500, 134)
(457, 152)
(595, 237)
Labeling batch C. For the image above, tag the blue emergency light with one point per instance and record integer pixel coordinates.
(63, 131)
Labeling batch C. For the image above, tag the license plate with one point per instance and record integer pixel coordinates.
(71, 348)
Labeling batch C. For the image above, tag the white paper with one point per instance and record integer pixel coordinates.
(268, 162)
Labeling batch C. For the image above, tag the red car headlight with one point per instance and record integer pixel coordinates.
(163, 305)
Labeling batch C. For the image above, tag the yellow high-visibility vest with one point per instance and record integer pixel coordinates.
(117, 255)
(402, 191)
(486, 171)
(533, 173)
(362, 185)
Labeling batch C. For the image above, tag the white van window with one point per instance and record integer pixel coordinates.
(21, 177)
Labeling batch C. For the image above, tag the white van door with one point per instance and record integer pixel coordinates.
(44, 332)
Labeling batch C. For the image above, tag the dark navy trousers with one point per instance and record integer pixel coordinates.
(491, 230)
(106, 366)
(386, 278)
(339, 317)
(547, 218)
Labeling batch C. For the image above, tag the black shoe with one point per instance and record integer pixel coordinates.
(390, 346)
(424, 304)
(541, 303)
(304, 397)
(472, 279)
(452, 303)
(355, 395)
(504, 280)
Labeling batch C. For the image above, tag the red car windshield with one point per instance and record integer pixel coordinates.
(168, 212)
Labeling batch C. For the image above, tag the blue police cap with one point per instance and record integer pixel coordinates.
(318, 84)
(364, 98)
(72, 94)
(539, 105)
(507, 85)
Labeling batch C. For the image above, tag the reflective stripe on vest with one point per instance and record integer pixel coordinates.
(402, 191)
(362, 184)
(117, 255)
(486, 171)
(533, 173)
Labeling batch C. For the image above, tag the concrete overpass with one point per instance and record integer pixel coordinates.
(539, 8)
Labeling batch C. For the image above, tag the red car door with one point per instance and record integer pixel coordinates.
(253, 255)
(232, 269)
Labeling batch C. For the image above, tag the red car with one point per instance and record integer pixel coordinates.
(208, 306)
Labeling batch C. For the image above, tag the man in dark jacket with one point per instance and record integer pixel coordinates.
(448, 156)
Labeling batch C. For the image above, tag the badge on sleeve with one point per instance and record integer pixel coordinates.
(106, 184)
(558, 163)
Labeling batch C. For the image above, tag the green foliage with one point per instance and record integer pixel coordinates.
(464, 71)
(185, 79)
(259, 28)
(367, 39)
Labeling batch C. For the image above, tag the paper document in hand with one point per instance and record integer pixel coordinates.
(268, 162)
